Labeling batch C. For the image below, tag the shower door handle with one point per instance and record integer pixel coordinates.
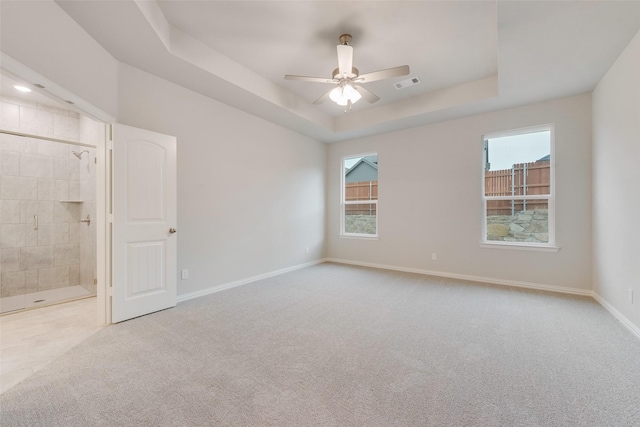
(172, 230)
(35, 222)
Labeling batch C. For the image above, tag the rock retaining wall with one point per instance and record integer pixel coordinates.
(524, 226)
(361, 224)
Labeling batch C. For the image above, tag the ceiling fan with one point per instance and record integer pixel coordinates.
(348, 78)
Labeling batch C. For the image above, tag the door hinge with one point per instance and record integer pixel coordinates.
(110, 291)
(110, 218)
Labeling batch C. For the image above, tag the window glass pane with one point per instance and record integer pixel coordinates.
(518, 165)
(518, 221)
(361, 178)
(360, 218)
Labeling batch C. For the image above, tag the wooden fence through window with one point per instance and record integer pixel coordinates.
(523, 179)
(361, 191)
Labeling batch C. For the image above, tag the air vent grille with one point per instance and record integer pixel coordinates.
(406, 83)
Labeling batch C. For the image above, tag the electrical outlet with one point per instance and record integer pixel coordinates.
(630, 296)
(184, 274)
(434, 256)
(306, 250)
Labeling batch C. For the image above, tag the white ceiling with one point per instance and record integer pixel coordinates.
(471, 56)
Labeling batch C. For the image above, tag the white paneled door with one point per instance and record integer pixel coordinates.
(144, 222)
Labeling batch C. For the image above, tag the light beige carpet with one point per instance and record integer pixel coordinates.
(347, 346)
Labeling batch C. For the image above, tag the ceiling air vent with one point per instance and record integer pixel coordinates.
(38, 85)
(406, 83)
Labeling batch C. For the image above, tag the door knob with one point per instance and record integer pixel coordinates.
(172, 230)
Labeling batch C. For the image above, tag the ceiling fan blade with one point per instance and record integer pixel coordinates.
(322, 98)
(345, 59)
(367, 94)
(389, 73)
(309, 79)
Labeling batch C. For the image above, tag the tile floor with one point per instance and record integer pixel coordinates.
(42, 298)
(31, 339)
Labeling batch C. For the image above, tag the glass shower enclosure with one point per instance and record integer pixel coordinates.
(47, 206)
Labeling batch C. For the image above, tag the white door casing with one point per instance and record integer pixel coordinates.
(144, 222)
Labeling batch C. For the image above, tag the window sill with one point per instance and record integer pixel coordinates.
(359, 236)
(519, 247)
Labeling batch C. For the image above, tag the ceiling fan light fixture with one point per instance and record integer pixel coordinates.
(342, 94)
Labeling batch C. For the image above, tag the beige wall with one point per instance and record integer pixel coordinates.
(251, 194)
(430, 198)
(616, 176)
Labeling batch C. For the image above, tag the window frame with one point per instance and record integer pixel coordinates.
(344, 202)
(550, 245)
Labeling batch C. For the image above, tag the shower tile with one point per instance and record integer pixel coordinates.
(61, 189)
(11, 143)
(20, 101)
(18, 188)
(45, 278)
(61, 168)
(10, 115)
(9, 211)
(36, 257)
(75, 232)
(30, 235)
(52, 109)
(74, 190)
(60, 276)
(28, 188)
(12, 283)
(45, 148)
(88, 130)
(85, 190)
(45, 188)
(67, 255)
(74, 168)
(66, 212)
(74, 275)
(9, 163)
(65, 126)
(29, 208)
(61, 234)
(45, 234)
(11, 235)
(37, 121)
(31, 145)
(36, 165)
(31, 281)
(10, 259)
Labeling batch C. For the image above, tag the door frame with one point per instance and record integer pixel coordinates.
(104, 194)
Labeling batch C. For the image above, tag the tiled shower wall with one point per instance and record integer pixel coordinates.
(39, 177)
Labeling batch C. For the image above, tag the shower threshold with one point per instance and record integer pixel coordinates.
(43, 298)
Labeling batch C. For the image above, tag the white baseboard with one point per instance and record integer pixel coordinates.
(503, 282)
(218, 288)
(621, 318)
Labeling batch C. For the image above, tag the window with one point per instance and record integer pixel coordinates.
(518, 193)
(359, 207)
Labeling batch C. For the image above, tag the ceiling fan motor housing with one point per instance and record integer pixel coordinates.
(354, 73)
